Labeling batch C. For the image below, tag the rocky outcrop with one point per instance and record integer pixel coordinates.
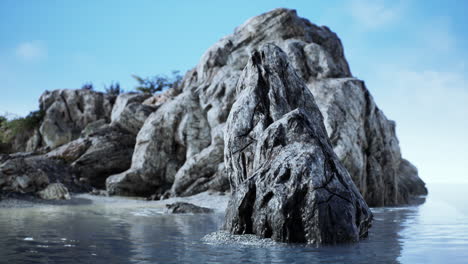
(105, 151)
(130, 113)
(27, 173)
(191, 122)
(68, 112)
(287, 183)
(363, 138)
(179, 148)
(409, 182)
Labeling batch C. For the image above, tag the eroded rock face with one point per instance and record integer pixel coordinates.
(287, 183)
(104, 151)
(185, 134)
(28, 173)
(130, 113)
(67, 112)
(208, 92)
(409, 182)
(363, 138)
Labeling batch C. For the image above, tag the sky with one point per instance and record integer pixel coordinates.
(411, 54)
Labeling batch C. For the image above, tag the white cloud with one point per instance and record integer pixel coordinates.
(31, 51)
(373, 14)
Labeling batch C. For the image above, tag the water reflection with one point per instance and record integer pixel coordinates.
(117, 233)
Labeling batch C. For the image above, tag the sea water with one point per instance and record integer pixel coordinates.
(434, 230)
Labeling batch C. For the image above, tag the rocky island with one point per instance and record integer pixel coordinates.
(271, 113)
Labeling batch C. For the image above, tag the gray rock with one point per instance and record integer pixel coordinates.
(287, 182)
(364, 140)
(28, 174)
(67, 112)
(129, 113)
(179, 145)
(187, 208)
(55, 191)
(409, 182)
(106, 151)
(181, 136)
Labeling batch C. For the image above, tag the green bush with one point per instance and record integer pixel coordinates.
(113, 89)
(9, 129)
(158, 83)
(87, 86)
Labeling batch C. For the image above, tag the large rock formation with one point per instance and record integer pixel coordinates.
(180, 145)
(100, 149)
(28, 174)
(287, 183)
(364, 140)
(68, 112)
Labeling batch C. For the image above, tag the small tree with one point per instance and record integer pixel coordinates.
(113, 89)
(157, 83)
(87, 86)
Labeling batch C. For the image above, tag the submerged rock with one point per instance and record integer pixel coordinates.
(287, 182)
(187, 208)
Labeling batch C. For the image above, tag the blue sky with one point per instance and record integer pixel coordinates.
(412, 55)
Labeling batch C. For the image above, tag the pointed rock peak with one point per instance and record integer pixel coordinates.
(287, 182)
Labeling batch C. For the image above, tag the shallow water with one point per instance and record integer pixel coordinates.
(120, 231)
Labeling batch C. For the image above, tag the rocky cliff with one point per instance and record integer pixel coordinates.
(187, 132)
(173, 143)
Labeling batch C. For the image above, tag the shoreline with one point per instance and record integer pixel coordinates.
(212, 200)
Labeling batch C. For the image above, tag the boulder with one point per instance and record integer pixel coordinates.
(67, 112)
(55, 191)
(287, 183)
(187, 208)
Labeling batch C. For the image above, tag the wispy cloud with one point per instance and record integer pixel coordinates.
(31, 51)
(372, 14)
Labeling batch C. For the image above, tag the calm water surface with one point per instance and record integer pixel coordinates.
(433, 232)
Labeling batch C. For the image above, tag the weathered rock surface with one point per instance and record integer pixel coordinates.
(28, 173)
(180, 146)
(363, 138)
(105, 151)
(55, 191)
(67, 112)
(187, 208)
(409, 182)
(188, 123)
(287, 183)
(130, 113)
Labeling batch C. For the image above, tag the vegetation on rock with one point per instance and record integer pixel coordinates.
(158, 83)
